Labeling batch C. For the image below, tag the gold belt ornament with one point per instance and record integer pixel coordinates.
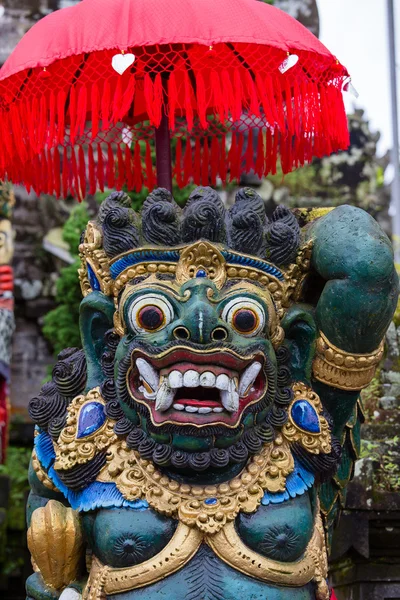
(228, 546)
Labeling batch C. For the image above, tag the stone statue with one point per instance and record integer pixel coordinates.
(7, 323)
(200, 444)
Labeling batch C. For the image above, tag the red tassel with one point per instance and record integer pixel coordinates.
(100, 168)
(121, 169)
(265, 99)
(150, 183)
(274, 157)
(237, 96)
(32, 114)
(232, 155)
(81, 111)
(137, 168)
(72, 115)
(44, 171)
(65, 173)
(172, 100)
(201, 100)
(149, 97)
(75, 176)
(297, 117)
(289, 107)
(117, 102)
(17, 134)
(158, 99)
(127, 99)
(249, 158)
(92, 172)
(270, 91)
(260, 160)
(82, 172)
(42, 123)
(110, 168)
(188, 169)
(197, 162)
(188, 101)
(153, 94)
(52, 118)
(223, 161)
(50, 175)
(218, 102)
(214, 164)
(205, 163)
(61, 116)
(128, 167)
(57, 172)
(254, 105)
(95, 100)
(105, 106)
(228, 95)
(178, 162)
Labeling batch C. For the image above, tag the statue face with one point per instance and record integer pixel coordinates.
(196, 355)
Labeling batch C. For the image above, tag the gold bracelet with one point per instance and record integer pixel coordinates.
(344, 370)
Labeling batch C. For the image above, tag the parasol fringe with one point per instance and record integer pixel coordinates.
(92, 171)
(50, 171)
(72, 114)
(260, 160)
(65, 173)
(95, 112)
(117, 102)
(223, 160)
(188, 104)
(127, 97)
(249, 156)
(82, 172)
(52, 118)
(105, 106)
(100, 167)
(214, 160)
(61, 98)
(197, 162)
(238, 96)
(172, 100)
(217, 95)
(201, 100)
(110, 167)
(188, 169)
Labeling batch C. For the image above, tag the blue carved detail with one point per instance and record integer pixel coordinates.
(297, 483)
(210, 501)
(305, 416)
(201, 273)
(142, 256)
(236, 259)
(94, 282)
(91, 417)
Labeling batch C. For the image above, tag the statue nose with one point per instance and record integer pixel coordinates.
(201, 326)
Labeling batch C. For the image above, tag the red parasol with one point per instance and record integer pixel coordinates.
(89, 88)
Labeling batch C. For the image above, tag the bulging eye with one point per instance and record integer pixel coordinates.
(244, 315)
(150, 313)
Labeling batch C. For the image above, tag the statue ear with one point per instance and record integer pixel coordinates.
(96, 317)
(300, 333)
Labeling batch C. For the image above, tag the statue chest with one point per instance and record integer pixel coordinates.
(124, 537)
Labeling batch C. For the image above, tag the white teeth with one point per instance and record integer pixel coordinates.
(207, 379)
(248, 377)
(148, 373)
(218, 409)
(165, 396)
(222, 382)
(205, 410)
(230, 398)
(191, 409)
(175, 379)
(191, 379)
(179, 406)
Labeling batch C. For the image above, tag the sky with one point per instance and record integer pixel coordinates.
(356, 32)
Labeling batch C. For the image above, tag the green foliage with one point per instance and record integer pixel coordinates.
(16, 468)
(74, 226)
(386, 453)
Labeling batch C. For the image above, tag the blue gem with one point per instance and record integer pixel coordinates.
(201, 273)
(91, 417)
(94, 282)
(210, 501)
(305, 416)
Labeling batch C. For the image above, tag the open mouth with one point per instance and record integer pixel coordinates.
(197, 388)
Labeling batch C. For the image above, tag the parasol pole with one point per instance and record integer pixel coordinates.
(163, 150)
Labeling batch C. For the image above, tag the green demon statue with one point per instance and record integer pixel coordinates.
(199, 446)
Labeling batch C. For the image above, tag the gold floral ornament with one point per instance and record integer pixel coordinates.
(94, 258)
(71, 449)
(306, 424)
(208, 508)
(344, 370)
(56, 544)
(201, 259)
(41, 473)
